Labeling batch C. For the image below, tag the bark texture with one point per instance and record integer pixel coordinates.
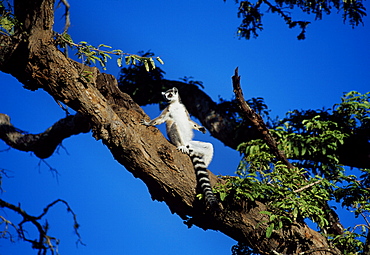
(114, 117)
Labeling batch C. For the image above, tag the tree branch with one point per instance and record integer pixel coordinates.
(44, 242)
(43, 144)
(257, 121)
(335, 225)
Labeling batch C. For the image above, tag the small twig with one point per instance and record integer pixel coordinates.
(76, 225)
(3, 173)
(5, 233)
(44, 242)
(288, 20)
(112, 52)
(365, 218)
(307, 186)
(51, 169)
(359, 225)
(66, 15)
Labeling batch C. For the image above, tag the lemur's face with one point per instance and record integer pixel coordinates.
(171, 95)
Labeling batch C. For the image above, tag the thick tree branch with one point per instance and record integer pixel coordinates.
(115, 119)
(43, 144)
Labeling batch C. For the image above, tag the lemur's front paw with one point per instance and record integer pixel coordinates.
(143, 122)
(183, 149)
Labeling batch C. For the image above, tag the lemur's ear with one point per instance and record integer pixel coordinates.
(163, 93)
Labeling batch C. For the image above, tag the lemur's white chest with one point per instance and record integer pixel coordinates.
(179, 115)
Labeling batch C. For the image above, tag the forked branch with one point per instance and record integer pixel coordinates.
(44, 242)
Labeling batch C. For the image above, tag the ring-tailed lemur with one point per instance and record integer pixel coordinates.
(180, 132)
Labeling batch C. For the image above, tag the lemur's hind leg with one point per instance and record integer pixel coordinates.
(204, 149)
(175, 137)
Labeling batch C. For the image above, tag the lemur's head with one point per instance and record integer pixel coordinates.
(171, 95)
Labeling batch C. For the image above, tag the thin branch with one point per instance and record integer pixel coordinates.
(37, 244)
(366, 220)
(335, 225)
(76, 225)
(5, 233)
(257, 121)
(288, 20)
(44, 241)
(3, 172)
(53, 170)
(307, 186)
(66, 15)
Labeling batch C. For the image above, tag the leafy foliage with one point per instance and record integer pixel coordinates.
(252, 13)
(91, 55)
(7, 19)
(298, 194)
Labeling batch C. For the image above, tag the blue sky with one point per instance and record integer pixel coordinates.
(194, 38)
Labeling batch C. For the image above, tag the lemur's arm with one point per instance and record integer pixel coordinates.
(159, 120)
(198, 127)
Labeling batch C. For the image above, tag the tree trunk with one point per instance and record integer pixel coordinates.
(32, 57)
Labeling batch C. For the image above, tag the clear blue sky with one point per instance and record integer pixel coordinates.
(194, 38)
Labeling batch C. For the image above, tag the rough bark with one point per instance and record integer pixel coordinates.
(33, 59)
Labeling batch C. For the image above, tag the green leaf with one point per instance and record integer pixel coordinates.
(272, 217)
(280, 224)
(304, 149)
(103, 45)
(269, 230)
(266, 212)
(146, 64)
(128, 59)
(152, 63)
(119, 62)
(295, 213)
(223, 195)
(160, 60)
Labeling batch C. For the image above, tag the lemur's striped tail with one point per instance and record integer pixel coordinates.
(203, 179)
